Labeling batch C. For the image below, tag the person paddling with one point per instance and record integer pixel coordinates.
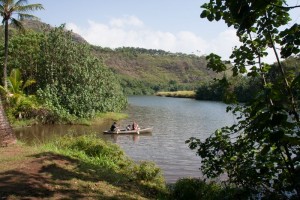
(135, 127)
(114, 127)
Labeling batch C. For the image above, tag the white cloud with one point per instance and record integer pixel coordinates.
(224, 43)
(129, 31)
(126, 21)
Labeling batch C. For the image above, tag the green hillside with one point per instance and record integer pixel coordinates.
(156, 68)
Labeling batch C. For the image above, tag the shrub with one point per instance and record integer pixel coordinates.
(147, 171)
(194, 189)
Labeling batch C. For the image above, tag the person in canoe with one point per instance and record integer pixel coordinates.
(114, 127)
(135, 126)
(128, 127)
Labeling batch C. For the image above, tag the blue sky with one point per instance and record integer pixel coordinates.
(171, 25)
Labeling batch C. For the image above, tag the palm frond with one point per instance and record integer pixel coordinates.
(15, 80)
(28, 83)
(21, 3)
(30, 7)
(27, 16)
(6, 2)
(10, 87)
(1, 8)
(18, 24)
(3, 90)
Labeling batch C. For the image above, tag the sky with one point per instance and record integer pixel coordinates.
(170, 25)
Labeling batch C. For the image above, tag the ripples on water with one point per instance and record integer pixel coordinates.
(174, 120)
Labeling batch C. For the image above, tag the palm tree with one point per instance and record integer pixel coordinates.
(9, 8)
(6, 134)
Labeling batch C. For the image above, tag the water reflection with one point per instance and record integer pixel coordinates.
(116, 138)
(42, 133)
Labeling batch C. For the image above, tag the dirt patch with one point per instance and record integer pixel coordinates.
(27, 177)
(26, 173)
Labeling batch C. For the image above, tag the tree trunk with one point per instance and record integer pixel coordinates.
(7, 136)
(5, 55)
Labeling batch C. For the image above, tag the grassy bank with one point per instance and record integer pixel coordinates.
(89, 168)
(180, 94)
(98, 119)
(82, 168)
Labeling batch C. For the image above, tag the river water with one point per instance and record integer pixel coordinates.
(174, 120)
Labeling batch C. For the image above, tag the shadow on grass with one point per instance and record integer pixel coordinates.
(57, 176)
(23, 185)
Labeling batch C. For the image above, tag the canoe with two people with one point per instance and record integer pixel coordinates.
(130, 129)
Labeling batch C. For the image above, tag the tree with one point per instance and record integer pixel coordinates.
(261, 153)
(72, 81)
(7, 9)
(6, 134)
(18, 101)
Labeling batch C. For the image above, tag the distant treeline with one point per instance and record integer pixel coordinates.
(137, 50)
(243, 88)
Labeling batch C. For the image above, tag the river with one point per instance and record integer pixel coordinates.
(174, 120)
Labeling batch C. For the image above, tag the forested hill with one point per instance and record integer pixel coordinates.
(145, 71)
(155, 69)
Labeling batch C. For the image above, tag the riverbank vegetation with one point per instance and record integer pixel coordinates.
(243, 88)
(180, 94)
(88, 167)
(82, 167)
(68, 84)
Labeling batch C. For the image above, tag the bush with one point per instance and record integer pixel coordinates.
(194, 189)
(197, 189)
(147, 171)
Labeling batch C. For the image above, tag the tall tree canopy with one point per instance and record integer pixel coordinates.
(71, 79)
(261, 152)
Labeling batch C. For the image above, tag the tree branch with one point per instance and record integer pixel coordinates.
(285, 7)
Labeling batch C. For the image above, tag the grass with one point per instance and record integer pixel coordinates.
(99, 119)
(12, 158)
(181, 94)
(87, 167)
(16, 123)
(84, 167)
(106, 161)
(111, 115)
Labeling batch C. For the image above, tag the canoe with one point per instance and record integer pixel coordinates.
(143, 130)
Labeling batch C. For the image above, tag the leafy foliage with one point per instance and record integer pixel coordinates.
(147, 171)
(261, 152)
(228, 89)
(107, 159)
(20, 104)
(72, 79)
(8, 10)
(192, 188)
